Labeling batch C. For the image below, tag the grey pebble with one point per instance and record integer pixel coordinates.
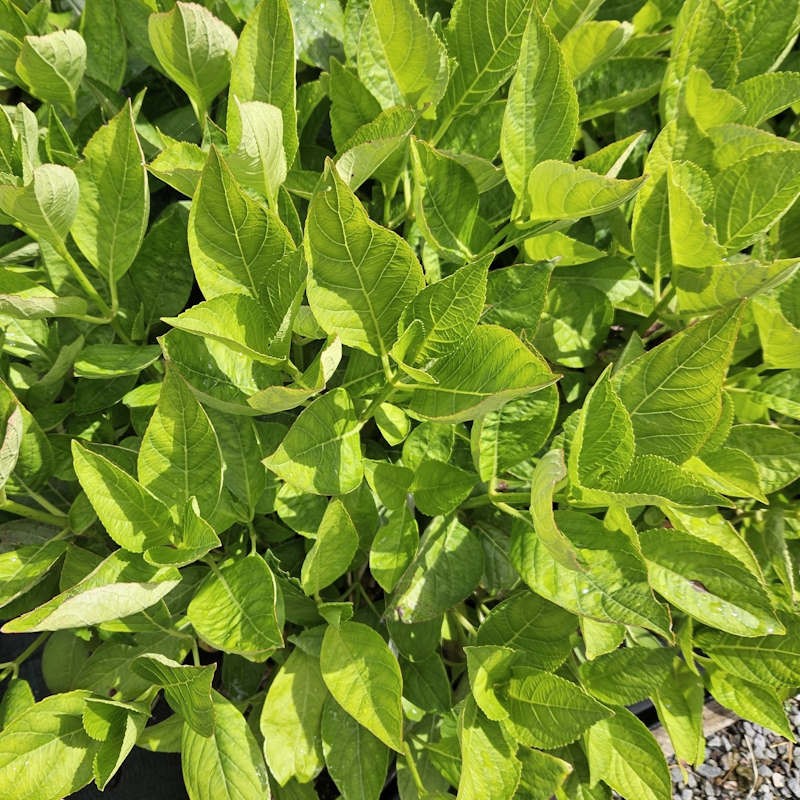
(764, 771)
(778, 781)
(708, 770)
(793, 785)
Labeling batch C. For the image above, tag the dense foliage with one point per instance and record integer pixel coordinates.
(398, 392)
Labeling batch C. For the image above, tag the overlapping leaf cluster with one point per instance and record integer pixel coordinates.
(396, 393)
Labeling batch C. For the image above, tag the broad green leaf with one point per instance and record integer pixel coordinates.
(106, 56)
(114, 202)
(392, 422)
(264, 67)
(546, 711)
(654, 387)
(562, 190)
(624, 754)
(257, 157)
(193, 538)
(620, 84)
(439, 487)
(400, 59)
(12, 442)
(179, 457)
(227, 763)
(752, 195)
(531, 625)
(775, 451)
(24, 567)
(549, 474)
(515, 297)
(588, 45)
(393, 548)
(239, 609)
(122, 584)
(52, 66)
(764, 96)
(446, 201)
(291, 719)
(542, 774)
(179, 164)
(490, 767)
(356, 760)
(703, 37)
(334, 548)
(627, 675)
(321, 453)
(679, 702)
(490, 368)
(46, 206)
(352, 105)
(22, 298)
(361, 275)
(761, 704)
(195, 49)
(701, 579)
(541, 117)
(45, 752)
(186, 689)
(234, 251)
(364, 678)
(449, 310)
(614, 586)
(17, 698)
(238, 321)
(134, 518)
(513, 433)
(114, 360)
(484, 37)
(446, 569)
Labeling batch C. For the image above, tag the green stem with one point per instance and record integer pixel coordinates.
(42, 501)
(33, 513)
(412, 768)
(380, 398)
(25, 654)
(493, 498)
(84, 282)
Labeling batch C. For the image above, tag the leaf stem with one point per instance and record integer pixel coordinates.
(25, 654)
(42, 501)
(33, 513)
(83, 280)
(492, 498)
(412, 768)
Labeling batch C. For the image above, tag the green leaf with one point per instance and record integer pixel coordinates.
(693, 362)
(236, 251)
(400, 59)
(449, 310)
(445, 569)
(239, 609)
(356, 760)
(490, 368)
(364, 678)
(530, 624)
(121, 585)
(752, 195)
(192, 540)
(102, 30)
(321, 453)
(257, 157)
(264, 67)
(542, 774)
(624, 754)
(17, 698)
(334, 548)
(179, 164)
(24, 567)
(547, 477)
(52, 66)
(114, 202)
(561, 190)
(764, 96)
(180, 456)
(513, 433)
(485, 38)
(775, 451)
(114, 360)
(47, 205)
(489, 765)
(703, 580)
(226, 764)
(614, 586)
(679, 702)
(761, 704)
(195, 49)
(361, 275)
(515, 297)
(439, 487)
(627, 675)
(186, 689)
(45, 752)
(393, 547)
(134, 517)
(22, 298)
(547, 711)
(541, 117)
(590, 44)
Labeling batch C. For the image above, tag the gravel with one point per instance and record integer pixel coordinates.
(744, 762)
